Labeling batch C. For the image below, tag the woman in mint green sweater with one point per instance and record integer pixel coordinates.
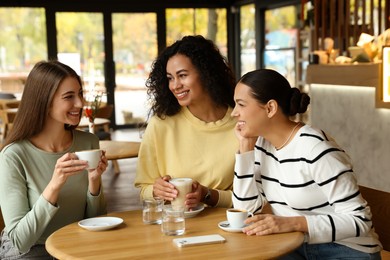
(43, 186)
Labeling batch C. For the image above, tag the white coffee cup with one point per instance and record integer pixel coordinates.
(236, 217)
(92, 156)
(183, 186)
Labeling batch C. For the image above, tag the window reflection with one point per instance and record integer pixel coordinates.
(22, 44)
(248, 39)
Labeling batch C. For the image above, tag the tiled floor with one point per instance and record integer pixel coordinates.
(119, 188)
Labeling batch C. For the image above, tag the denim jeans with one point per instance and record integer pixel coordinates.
(9, 252)
(328, 251)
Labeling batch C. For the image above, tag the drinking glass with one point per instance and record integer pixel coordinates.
(173, 221)
(152, 210)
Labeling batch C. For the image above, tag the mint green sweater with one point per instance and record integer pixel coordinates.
(25, 171)
(184, 146)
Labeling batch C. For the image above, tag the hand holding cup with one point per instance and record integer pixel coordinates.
(183, 186)
(91, 156)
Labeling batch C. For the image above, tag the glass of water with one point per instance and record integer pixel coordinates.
(173, 222)
(152, 210)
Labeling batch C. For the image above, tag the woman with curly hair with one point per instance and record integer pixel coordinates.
(190, 133)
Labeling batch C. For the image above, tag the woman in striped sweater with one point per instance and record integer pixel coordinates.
(306, 178)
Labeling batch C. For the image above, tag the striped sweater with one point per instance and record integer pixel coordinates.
(312, 177)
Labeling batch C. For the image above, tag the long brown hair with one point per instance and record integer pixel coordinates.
(41, 85)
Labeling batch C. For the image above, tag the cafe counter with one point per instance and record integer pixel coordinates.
(361, 74)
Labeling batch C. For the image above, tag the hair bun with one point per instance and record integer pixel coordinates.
(298, 102)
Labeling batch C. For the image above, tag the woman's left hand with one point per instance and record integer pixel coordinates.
(194, 198)
(102, 166)
(266, 224)
(94, 175)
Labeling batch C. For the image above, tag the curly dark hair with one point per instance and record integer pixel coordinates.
(215, 72)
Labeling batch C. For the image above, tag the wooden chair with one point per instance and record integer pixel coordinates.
(379, 202)
(2, 225)
(9, 103)
(104, 134)
(7, 117)
(104, 112)
(6, 95)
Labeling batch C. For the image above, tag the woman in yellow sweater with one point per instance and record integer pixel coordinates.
(190, 133)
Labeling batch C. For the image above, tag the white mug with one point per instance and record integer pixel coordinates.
(236, 217)
(183, 186)
(92, 156)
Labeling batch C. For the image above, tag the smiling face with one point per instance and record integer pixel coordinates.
(184, 81)
(67, 102)
(251, 116)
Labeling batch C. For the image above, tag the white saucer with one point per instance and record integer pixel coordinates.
(225, 226)
(195, 211)
(100, 223)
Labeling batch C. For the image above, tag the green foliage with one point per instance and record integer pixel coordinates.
(23, 37)
(189, 21)
(135, 40)
(281, 18)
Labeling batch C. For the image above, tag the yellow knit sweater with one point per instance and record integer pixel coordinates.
(184, 146)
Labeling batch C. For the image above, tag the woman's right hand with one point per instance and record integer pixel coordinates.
(164, 189)
(67, 165)
(266, 224)
(246, 143)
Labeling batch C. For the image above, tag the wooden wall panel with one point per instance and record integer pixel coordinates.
(345, 20)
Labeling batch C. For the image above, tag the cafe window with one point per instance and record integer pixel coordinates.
(210, 23)
(247, 39)
(133, 58)
(22, 44)
(280, 41)
(80, 41)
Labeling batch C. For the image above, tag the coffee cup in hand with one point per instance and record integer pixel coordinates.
(236, 217)
(92, 156)
(183, 186)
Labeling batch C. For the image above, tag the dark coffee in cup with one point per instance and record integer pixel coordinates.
(236, 210)
(236, 217)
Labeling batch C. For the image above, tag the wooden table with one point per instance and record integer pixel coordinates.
(105, 123)
(119, 150)
(135, 240)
